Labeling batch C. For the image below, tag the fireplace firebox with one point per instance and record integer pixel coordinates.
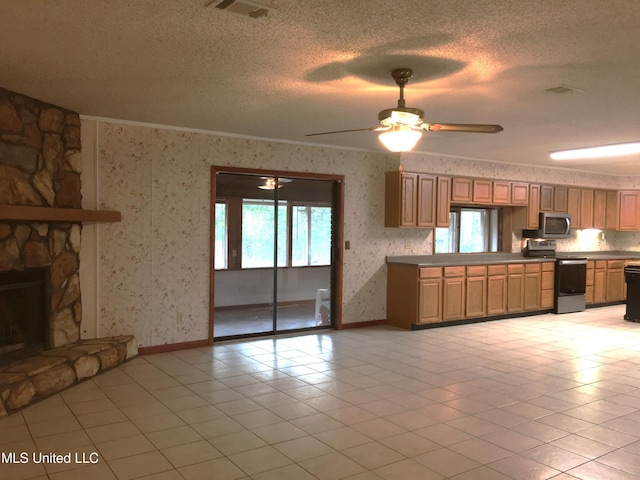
(23, 313)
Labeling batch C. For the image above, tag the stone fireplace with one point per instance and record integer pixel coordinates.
(40, 165)
(41, 218)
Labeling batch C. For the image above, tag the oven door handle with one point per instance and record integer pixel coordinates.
(572, 262)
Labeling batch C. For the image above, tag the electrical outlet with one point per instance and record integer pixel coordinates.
(347, 245)
(180, 318)
(407, 244)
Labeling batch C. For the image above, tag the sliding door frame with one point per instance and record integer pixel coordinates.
(338, 234)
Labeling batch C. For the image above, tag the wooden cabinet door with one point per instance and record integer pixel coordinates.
(628, 203)
(573, 206)
(615, 281)
(547, 281)
(560, 199)
(482, 191)
(401, 199)
(611, 210)
(532, 290)
(546, 198)
(515, 288)
(476, 291)
(443, 203)
(430, 300)
(533, 209)
(600, 283)
(496, 294)
(590, 280)
(426, 214)
(519, 193)
(501, 192)
(453, 298)
(599, 209)
(461, 190)
(586, 208)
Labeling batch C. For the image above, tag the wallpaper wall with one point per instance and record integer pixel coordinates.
(150, 271)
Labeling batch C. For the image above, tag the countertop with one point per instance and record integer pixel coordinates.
(455, 259)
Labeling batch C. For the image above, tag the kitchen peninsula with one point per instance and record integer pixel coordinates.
(425, 291)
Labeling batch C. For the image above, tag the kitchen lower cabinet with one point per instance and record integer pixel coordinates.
(532, 286)
(476, 291)
(547, 280)
(590, 281)
(453, 288)
(496, 289)
(600, 281)
(615, 281)
(515, 288)
(430, 300)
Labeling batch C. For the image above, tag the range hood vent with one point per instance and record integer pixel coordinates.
(242, 7)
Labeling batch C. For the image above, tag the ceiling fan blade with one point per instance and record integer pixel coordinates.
(461, 127)
(347, 131)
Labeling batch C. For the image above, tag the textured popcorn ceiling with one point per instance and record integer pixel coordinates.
(313, 66)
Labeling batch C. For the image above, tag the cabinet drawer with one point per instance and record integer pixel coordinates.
(601, 264)
(515, 268)
(532, 268)
(497, 269)
(615, 263)
(548, 266)
(430, 272)
(454, 271)
(476, 271)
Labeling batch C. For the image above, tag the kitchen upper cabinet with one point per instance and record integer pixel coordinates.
(482, 191)
(560, 199)
(519, 193)
(599, 209)
(573, 206)
(611, 210)
(501, 192)
(533, 210)
(546, 198)
(410, 200)
(629, 205)
(443, 203)
(461, 190)
(586, 208)
(426, 211)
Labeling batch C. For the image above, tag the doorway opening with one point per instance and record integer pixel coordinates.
(276, 252)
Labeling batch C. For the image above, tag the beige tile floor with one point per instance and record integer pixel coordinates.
(549, 396)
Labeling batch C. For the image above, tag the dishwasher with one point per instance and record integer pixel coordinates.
(570, 284)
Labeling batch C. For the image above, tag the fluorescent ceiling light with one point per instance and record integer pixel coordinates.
(614, 150)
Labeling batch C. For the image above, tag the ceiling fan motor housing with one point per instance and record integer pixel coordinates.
(401, 116)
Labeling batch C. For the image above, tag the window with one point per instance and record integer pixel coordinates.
(310, 235)
(220, 257)
(470, 230)
(258, 224)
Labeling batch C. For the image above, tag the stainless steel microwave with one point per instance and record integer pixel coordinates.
(551, 226)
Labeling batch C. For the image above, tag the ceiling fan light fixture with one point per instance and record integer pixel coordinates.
(400, 116)
(270, 184)
(400, 138)
(601, 151)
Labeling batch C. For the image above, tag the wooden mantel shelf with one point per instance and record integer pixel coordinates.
(51, 214)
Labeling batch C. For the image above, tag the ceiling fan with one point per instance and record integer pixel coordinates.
(402, 126)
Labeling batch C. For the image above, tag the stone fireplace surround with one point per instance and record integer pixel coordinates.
(40, 166)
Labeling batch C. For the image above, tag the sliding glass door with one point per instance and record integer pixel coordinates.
(274, 250)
